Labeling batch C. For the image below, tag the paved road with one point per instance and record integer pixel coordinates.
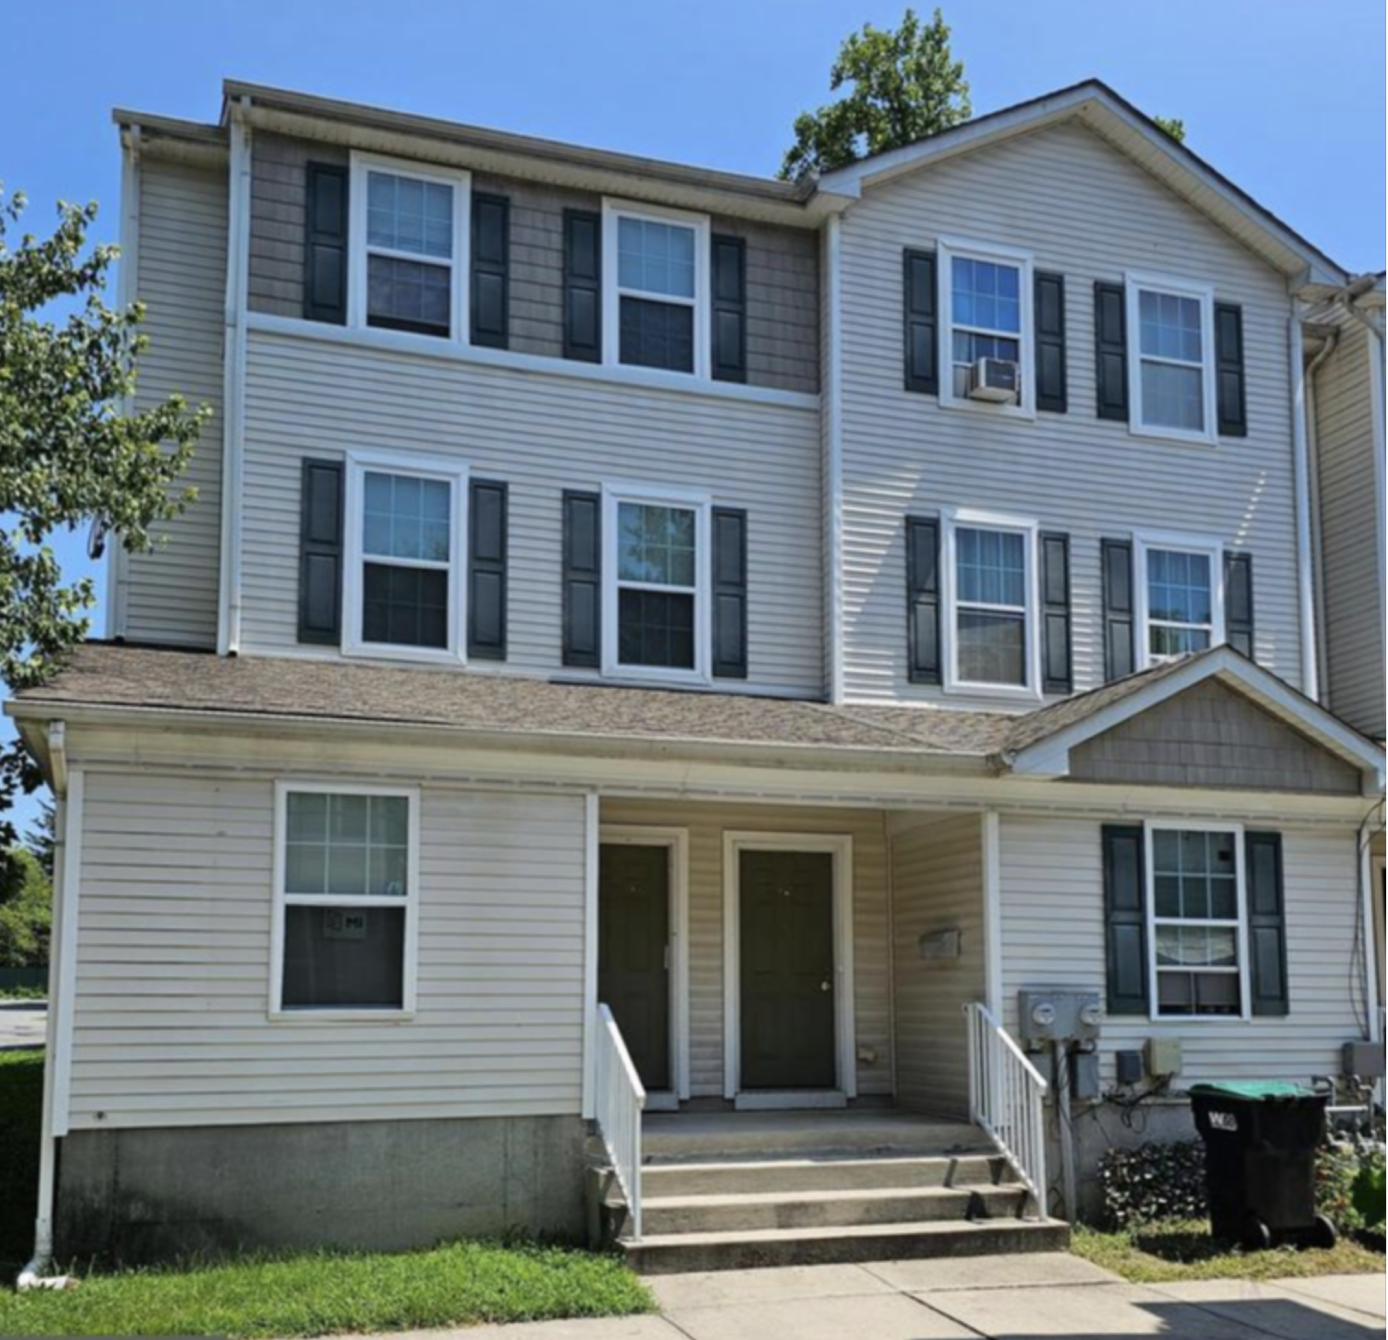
(22, 1023)
(999, 1298)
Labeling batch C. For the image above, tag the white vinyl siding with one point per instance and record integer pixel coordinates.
(937, 885)
(1088, 213)
(542, 433)
(871, 989)
(170, 594)
(171, 1025)
(1350, 540)
(1053, 935)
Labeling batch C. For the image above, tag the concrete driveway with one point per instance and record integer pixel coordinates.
(997, 1298)
(22, 1024)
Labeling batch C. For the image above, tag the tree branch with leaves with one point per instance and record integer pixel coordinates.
(72, 451)
(903, 85)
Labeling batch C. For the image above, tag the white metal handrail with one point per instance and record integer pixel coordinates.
(620, 1099)
(1006, 1099)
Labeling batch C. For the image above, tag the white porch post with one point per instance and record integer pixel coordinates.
(591, 835)
(991, 830)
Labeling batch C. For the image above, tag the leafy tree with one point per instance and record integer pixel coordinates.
(69, 455)
(26, 910)
(905, 85)
(42, 838)
(1173, 126)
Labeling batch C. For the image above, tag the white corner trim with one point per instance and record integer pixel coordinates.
(833, 453)
(433, 347)
(592, 839)
(840, 847)
(63, 974)
(991, 825)
(127, 291)
(1051, 757)
(676, 843)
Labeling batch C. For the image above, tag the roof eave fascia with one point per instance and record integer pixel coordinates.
(599, 171)
(1102, 110)
(169, 138)
(1050, 758)
(790, 757)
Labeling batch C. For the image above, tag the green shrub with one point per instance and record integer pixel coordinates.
(1368, 1198)
(1153, 1182)
(1348, 1175)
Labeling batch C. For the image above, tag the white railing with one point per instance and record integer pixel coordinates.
(1006, 1099)
(619, 1102)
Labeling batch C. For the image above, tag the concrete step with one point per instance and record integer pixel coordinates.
(827, 1209)
(843, 1173)
(658, 1254)
(707, 1137)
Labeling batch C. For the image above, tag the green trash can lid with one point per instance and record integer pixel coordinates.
(1254, 1090)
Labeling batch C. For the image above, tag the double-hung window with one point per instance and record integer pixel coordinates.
(656, 268)
(1197, 927)
(346, 887)
(987, 314)
(1180, 595)
(404, 588)
(656, 604)
(1171, 369)
(410, 244)
(990, 601)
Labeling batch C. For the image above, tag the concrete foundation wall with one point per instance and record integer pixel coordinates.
(149, 1195)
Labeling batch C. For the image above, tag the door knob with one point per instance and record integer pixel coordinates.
(826, 986)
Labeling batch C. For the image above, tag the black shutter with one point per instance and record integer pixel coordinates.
(729, 593)
(1238, 602)
(486, 604)
(729, 309)
(320, 552)
(923, 599)
(489, 286)
(1232, 399)
(582, 579)
(325, 244)
(922, 323)
(583, 285)
(1125, 918)
(1050, 343)
(1111, 351)
(1267, 928)
(1056, 676)
(1119, 624)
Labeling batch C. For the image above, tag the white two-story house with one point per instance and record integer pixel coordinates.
(675, 656)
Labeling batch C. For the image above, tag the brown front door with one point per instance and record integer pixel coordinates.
(633, 953)
(786, 926)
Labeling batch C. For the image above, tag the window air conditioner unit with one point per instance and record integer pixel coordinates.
(995, 379)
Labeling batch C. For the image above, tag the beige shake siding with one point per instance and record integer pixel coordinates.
(542, 433)
(1084, 211)
(1351, 543)
(172, 985)
(1053, 935)
(170, 594)
(707, 823)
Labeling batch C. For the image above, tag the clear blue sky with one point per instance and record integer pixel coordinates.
(1284, 97)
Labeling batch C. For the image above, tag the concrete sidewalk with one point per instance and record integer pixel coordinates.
(998, 1298)
(22, 1024)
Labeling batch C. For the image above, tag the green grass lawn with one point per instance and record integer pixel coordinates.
(456, 1284)
(1183, 1250)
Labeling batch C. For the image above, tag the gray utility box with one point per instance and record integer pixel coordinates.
(1364, 1059)
(1045, 1016)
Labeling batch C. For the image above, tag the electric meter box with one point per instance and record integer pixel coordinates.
(1045, 1016)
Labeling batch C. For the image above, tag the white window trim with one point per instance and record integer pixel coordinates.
(1208, 546)
(613, 494)
(461, 182)
(280, 900)
(455, 475)
(1134, 282)
(612, 292)
(1030, 529)
(950, 248)
(1150, 828)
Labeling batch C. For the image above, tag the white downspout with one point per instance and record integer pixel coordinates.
(1306, 590)
(1317, 539)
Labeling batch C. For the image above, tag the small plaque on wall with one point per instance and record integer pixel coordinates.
(938, 945)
